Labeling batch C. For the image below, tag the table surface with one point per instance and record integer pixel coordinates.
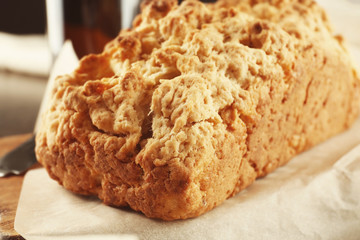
(10, 191)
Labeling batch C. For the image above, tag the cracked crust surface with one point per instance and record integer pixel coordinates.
(195, 102)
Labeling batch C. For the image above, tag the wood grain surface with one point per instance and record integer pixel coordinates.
(10, 191)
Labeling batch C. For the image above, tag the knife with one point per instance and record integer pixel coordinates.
(18, 160)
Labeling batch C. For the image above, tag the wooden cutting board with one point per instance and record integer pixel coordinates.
(10, 190)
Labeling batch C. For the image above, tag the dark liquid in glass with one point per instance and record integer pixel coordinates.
(90, 24)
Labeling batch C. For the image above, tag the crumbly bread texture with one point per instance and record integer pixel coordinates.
(196, 101)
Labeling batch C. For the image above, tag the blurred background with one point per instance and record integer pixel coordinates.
(21, 89)
(30, 39)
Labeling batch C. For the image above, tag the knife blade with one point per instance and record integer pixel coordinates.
(18, 160)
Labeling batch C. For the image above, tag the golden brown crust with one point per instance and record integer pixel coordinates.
(197, 101)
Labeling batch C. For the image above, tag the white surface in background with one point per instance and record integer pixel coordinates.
(26, 54)
(55, 25)
(129, 9)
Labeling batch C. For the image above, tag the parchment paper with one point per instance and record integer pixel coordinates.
(315, 196)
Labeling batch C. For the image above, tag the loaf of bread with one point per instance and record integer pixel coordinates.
(196, 101)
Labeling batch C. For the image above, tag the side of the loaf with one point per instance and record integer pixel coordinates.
(196, 102)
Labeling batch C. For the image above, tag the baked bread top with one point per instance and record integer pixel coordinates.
(142, 123)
